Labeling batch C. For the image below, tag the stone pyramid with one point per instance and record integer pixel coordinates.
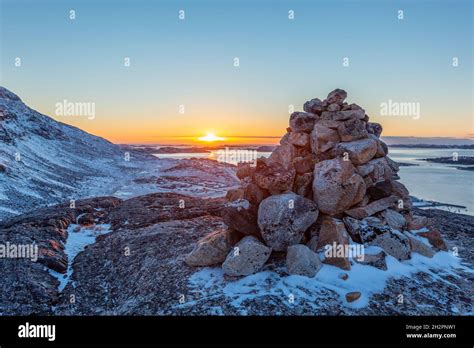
(328, 186)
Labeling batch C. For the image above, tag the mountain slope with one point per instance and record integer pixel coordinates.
(43, 161)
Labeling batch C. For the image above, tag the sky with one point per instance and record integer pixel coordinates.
(188, 65)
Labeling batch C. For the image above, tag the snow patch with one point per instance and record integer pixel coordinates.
(78, 238)
(210, 282)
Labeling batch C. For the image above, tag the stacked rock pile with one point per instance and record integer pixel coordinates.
(327, 186)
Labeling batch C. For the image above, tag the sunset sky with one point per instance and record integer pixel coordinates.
(283, 62)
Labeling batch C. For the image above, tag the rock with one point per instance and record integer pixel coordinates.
(359, 151)
(417, 222)
(241, 216)
(372, 208)
(213, 248)
(336, 186)
(353, 296)
(323, 138)
(343, 115)
(363, 231)
(313, 243)
(304, 164)
(352, 129)
(302, 121)
(394, 219)
(301, 260)
(332, 231)
(234, 194)
(374, 260)
(86, 219)
(393, 243)
(435, 238)
(380, 169)
(340, 262)
(283, 155)
(298, 138)
(380, 190)
(334, 107)
(274, 177)
(3, 168)
(337, 96)
(254, 194)
(332, 237)
(420, 247)
(247, 257)
(404, 201)
(374, 128)
(344, 276)
(244, 170)
(284, 218)
(314, 106)
(382, 148)
(303, 184)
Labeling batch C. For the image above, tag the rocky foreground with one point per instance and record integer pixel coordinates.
(139, 266)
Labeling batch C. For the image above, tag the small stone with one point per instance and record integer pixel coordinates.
(374, 128)
(393, 243)
(234, 194)
(394, 219)
(298, 138)
(344, 276)
(352, 129)
(372, 208)
(353, 296)
(314, 106)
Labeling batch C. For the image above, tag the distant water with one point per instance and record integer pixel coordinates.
(428, 181)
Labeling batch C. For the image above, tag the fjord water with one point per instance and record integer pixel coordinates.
(426, 180)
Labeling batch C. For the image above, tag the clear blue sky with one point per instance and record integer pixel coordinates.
(282, 62)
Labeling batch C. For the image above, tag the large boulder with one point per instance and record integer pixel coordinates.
(323, 138)
(247, 257)
(302, 121)
(298, 139)
(301, 260)
(274, 177)
(213, 248)
(393, 243)
(336, 96)
(365, 230)
(314, 106)
(336, 186)
(352, 129)
(241, 216)
(359, 151)
(332, 231)
(343, 115)
(394, 219)
(284, 218)
(283, 155)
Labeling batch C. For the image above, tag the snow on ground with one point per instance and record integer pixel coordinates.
(295, 289)
(78, 238)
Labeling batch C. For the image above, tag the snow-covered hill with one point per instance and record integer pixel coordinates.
(43, 161)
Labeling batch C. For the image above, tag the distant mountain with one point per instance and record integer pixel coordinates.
(426, 141)
(43, 161)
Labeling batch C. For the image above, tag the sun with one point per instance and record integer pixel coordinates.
(209, 137)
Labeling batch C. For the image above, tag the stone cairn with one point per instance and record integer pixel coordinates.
(328, 184)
